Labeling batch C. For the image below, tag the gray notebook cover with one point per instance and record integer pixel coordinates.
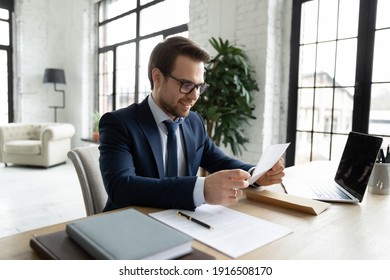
(127, 235)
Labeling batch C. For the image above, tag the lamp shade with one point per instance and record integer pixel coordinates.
(53, 75)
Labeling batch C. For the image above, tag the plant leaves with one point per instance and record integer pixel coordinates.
(227, 103)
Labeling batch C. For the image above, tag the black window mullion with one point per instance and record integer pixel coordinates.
(314, 86)
(137, 46)
(292, 95)
(365, 54)
(11, 116)
(9, 5)
(114, 95)
(334, 86)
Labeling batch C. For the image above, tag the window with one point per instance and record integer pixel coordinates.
(128, 31)
(379, 122)
(338, 76)
(6, 74)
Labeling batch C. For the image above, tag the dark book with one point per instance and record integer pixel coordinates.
(59, 246)
(128, 235)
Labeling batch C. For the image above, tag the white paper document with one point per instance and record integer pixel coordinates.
(234, 233)
(270, 156)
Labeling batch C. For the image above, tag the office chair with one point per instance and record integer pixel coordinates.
(86, 163)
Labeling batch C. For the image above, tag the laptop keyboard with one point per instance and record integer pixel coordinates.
(327, 192)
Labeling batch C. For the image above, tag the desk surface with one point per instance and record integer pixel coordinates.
(343, 231)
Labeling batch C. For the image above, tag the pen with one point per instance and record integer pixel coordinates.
(387, 159)
(382, 155)
(193, 220)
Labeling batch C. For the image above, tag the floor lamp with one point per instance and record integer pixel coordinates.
(56, 76)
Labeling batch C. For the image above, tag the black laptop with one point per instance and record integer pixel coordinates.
(352, 175)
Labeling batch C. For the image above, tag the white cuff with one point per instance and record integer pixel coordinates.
(199, 191)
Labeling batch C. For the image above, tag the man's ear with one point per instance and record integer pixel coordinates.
(157, 77)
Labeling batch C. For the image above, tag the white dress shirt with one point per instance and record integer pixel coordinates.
(160, 116)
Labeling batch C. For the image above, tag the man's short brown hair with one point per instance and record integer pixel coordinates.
(165, 53)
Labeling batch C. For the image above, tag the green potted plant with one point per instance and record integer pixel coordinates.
(227, 103)
(95, 126)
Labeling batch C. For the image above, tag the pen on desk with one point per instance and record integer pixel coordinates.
(194, 220)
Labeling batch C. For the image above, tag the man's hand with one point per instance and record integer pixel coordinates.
(225, 186)
(272, 176)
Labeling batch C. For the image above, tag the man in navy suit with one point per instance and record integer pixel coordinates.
(133, 141)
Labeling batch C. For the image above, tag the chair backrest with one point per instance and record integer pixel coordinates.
(86, 163)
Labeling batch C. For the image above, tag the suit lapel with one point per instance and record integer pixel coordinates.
(150, 129)
(189, 142)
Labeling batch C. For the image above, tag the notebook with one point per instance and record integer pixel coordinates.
(128, 235)
(59, 246)
(352, 175)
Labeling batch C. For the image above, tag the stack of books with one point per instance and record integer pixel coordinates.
(121, 235)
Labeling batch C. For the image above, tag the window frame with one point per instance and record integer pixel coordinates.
(363, 75)
(9, 5)
(138, 38)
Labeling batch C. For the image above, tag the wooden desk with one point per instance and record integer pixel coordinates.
(343, 231)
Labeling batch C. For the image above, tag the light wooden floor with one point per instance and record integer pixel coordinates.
(33, 197)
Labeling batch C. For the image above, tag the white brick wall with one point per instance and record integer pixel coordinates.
(262, 28)
(55, 34)
(61, 34)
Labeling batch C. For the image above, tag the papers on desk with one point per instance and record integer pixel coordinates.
(234, 233)
(270, 156)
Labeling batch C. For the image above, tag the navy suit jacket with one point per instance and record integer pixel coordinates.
(131, 160)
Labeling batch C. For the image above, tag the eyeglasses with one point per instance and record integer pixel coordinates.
(186, 87)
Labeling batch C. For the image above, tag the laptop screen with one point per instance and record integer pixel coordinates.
(357, 162)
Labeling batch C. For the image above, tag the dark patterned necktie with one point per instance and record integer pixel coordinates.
(172, 163)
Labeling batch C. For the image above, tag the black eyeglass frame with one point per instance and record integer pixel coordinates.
(202, 86)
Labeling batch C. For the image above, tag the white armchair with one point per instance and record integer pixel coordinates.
(43, 144)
